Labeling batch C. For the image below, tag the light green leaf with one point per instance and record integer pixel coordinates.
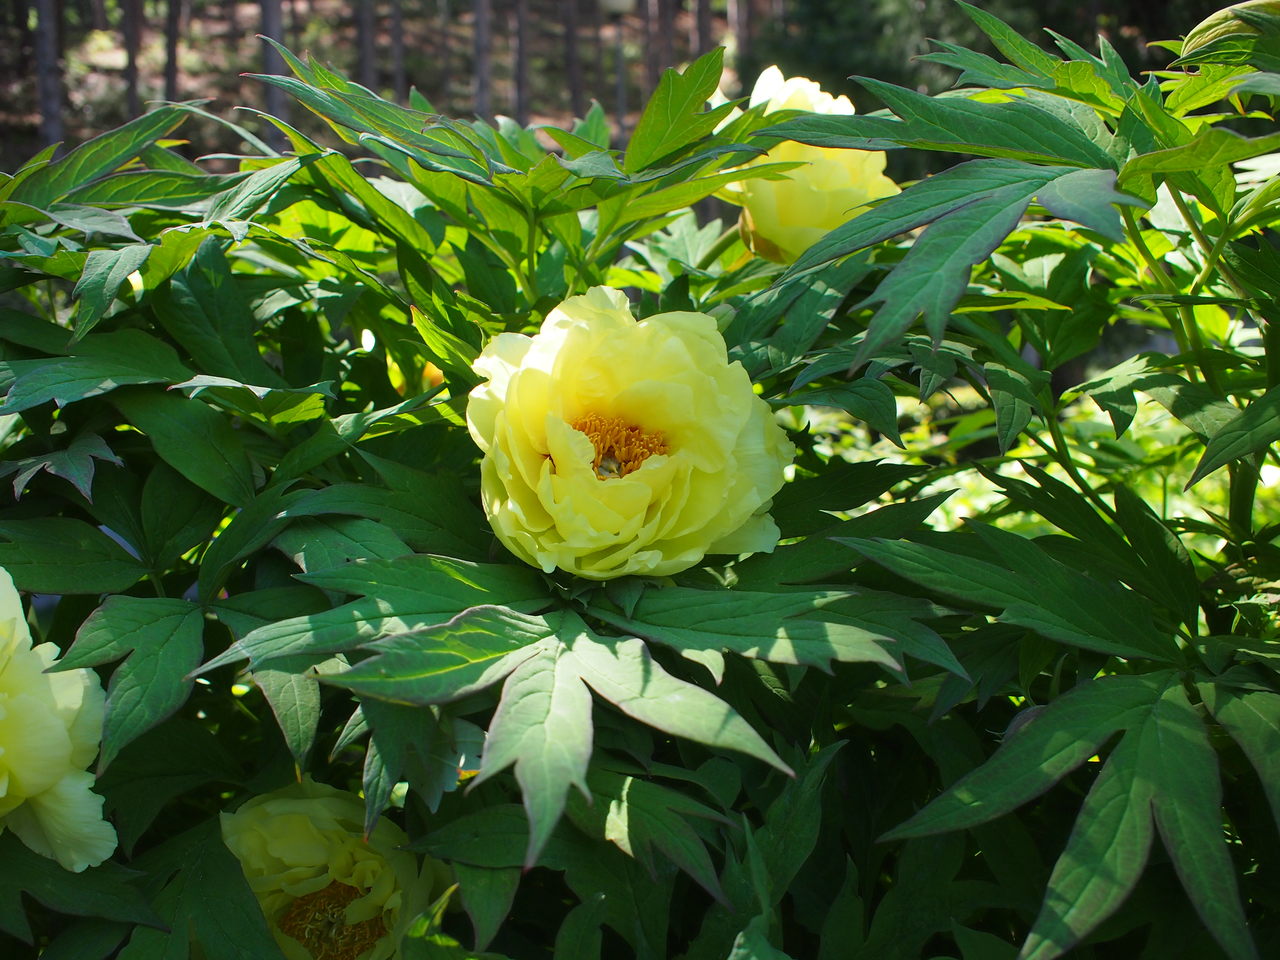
(162, 641)
(673, 117)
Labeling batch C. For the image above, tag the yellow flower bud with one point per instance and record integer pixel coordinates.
(783, 218)
(616, 447)
(50, 728)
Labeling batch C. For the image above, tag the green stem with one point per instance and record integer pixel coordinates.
(531, 281)
(1181, 321)
(1061, 453)
(725, 241)
(1243, 484)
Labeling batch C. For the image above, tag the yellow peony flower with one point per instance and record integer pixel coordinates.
(50, 728)
(613, 447)
(327, 894)
(783, 218)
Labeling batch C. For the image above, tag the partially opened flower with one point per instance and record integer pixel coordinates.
(50, 728)
(327, 893)
(783, 218)
(617, 447)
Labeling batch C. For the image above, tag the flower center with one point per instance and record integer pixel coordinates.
(620, 446)
(318, 921)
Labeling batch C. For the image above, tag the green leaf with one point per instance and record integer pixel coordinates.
(1164, 769)
(75, 464)
(447, 661)
(97, 157)
(104, 891)
(638, 815)
(193, 438)
(1042, 751)
(1032, 588)
(543, 727)
(247, 196)
(1252, 718)
(399, 595)
(623, 672)
(63, 555)
(673, 117)
(801, 506)
(753, 943)
(1031, 128)
(99, 363)
(104, 271)
(162, 640)
(1012, 44)
(770, 626)
(869, 400)
(206, 901)
(156, 189)
(206, 311)
(1252, 430)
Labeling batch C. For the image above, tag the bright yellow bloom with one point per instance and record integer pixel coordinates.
(783, 218)
(327, 894)
(50, 728)
(616, 447)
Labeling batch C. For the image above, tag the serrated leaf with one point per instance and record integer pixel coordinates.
(623, 672)
(162, 641)
(75, 464)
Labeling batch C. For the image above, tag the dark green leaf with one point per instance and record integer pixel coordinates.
(162, 639)
(64, 555)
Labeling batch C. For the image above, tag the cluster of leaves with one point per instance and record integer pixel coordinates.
(243, 488)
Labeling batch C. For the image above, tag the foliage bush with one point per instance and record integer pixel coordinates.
(244, 491)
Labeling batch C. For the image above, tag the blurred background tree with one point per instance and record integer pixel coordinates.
(73, 68)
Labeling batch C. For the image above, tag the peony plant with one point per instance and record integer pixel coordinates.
(474, 507)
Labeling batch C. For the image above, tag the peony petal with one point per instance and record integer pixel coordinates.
(65, 823)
